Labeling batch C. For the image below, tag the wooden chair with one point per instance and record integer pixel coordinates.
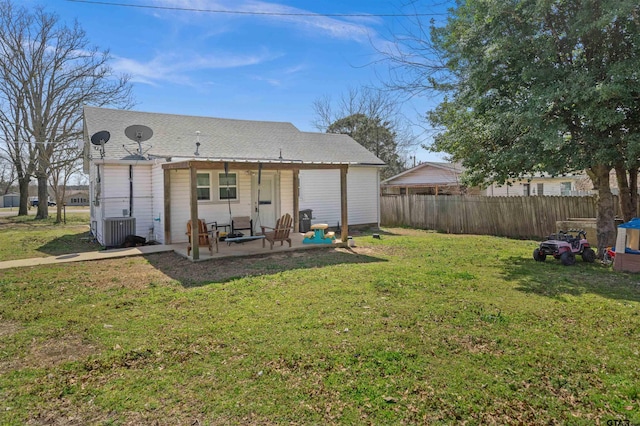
(241, 223)
(280, 232)
(203, 237)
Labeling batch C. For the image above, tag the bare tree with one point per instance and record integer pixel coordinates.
(369, 106)
(49, 72)
(16, 143)
(7, 175)
(65, 163)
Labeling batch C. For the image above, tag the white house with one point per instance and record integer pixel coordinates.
(573, 184)
(150, 173)
(433, 178)
(429, 178)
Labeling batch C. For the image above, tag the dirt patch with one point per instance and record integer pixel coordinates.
(475, 344)
(7, 328)
(133, 273)
(53, 352)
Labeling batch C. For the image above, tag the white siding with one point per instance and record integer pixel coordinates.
(157, 212)
(143, 199)
(111, 194)
(551, 186)
(320, 191)
(503, 191)
(95, 210)
(362, 195)
(115, 190)
(209, 211)
(179, 196)
(426, 175)
(286, 193)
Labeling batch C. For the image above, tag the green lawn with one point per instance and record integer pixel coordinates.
(23, 237)
(414, 328)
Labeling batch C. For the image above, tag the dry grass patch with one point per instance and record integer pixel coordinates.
(56, 351)
(8, 328)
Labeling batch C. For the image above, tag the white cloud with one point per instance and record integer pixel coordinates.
(186, 45)
(177, 68)
(317, 25)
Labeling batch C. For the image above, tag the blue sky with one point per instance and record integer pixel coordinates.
(245, 66)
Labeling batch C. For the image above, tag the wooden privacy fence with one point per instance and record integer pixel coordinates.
(516, 217)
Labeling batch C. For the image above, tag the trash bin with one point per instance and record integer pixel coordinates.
(305, 220)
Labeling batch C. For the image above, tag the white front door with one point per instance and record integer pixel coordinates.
(265, 201)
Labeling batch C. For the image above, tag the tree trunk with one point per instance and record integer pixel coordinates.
(23, 184)
(633, 189)
(626, 205)
(606, 230)
(43, 197)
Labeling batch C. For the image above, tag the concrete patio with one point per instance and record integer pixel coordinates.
(250, 248)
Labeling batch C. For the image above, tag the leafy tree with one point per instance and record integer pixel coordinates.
(373, 119)
(374, 135)
(540, 86)
(48, 71)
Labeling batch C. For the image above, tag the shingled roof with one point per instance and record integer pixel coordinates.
(174, 136)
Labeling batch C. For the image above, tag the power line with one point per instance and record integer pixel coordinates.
(255, 13)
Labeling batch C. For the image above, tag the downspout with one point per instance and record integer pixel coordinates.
(130, 190)
(378, 194)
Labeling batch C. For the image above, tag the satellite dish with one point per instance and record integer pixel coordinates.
(100, 138)
(138, 133)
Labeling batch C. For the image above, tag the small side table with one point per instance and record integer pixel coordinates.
(225, 226)
(215, 225)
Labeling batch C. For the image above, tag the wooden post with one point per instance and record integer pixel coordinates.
(167, 206)
(296, 200)
(195, 237)
(343, 204)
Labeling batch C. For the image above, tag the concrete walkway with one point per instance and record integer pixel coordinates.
(249, 248)
(92, 255)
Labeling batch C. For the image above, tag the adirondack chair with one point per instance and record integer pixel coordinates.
(280, 232)
(203, 237)
(241, 223)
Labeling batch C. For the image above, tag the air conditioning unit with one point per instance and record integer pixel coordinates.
(116, 229)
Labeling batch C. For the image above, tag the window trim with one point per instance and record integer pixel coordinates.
(220, 186)
(198, 186)
(565, 188)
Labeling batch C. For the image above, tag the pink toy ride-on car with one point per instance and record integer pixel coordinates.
(565, 246)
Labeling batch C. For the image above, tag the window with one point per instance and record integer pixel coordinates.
(526, 189)
(203, 186)
(227, 186)
(565, 188)
(541, 189)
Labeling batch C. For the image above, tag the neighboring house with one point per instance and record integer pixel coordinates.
(213, 169)
(575, 184)
(76, 197)
(444, 179)
(430, 178)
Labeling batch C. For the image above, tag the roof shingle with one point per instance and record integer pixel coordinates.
(229, 139)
